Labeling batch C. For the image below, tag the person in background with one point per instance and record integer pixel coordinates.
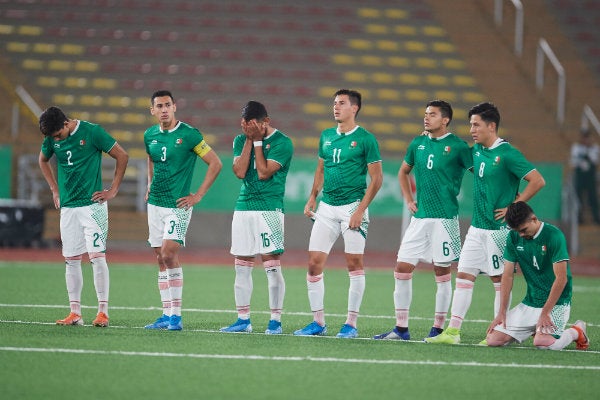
(585, 155)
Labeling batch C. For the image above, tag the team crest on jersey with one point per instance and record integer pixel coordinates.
(268, 146)
(544, 249)
(178, 141)
(447, 150)
(497, 160)
(82, 142)
(353, 144)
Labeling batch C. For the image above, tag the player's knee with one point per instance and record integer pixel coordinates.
(542, 341)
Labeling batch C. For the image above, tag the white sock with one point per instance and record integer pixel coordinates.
(463, 294)
(242, 287)
(176, 289)
(316, 296)
(276, 285)
(355, 295)
(402, 297)
(74, 279)
(567, 337)
(165, 293)
(443, 298)
(101, 282)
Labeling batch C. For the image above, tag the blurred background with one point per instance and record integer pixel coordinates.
(537, 60)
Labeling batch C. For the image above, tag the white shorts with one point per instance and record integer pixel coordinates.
(257, 232)
(331, 221)
(84, 229)
(521, 321)
(483, 251)
(434, 240)
(167, 224)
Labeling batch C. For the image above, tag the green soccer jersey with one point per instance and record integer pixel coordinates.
(173, 156)
(79, 162)
(265, 195)
(536, 258)
(346, 157)
(438, 165)
(497, 173)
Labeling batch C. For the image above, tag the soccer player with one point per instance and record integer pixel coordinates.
(261, 158)
(540, 249)
(346, 154)
(78, 147)
(173, 147)
(438, 160)
(498, 169)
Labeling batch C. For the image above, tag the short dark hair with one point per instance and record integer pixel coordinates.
(445, 108)
(52, 120)
(161, 93)
(487, 112)
(517, 214)
(354, 96)
(254, 110)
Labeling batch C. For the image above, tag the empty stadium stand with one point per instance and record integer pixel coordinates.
(101, 62)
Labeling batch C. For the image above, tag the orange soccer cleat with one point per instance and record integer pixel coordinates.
(101, 320)
(71, 319)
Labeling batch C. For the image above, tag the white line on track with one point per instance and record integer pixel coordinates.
(296, 358)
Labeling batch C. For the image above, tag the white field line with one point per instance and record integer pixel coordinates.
(297, 358)
(200, 310)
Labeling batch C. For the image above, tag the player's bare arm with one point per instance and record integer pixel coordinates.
(50, 179)
(535, 181)
(375, 171)
(545, 324)
(122, 158)
(404, 180)
(505, 289)
(311, 204)
(214, 167)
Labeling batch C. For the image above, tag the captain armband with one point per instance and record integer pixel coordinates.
(202, 148)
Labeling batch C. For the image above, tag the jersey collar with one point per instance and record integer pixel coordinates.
(346, 133)
(170, 130)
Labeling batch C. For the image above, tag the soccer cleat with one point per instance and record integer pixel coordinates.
(101, 320)
(274, 328)
(175, 323)
(72, 319)
(449, 336)
(240, 325)
(347, 332)
(161, 322)
(434, 332)
(582, 342)
(482, 343)
(394, 334)
(312, 329)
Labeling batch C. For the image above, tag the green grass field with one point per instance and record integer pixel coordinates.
(42, 360)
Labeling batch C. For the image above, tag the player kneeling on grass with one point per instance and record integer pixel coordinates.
(540, 249)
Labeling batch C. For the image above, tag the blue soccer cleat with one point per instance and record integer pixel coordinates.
(274, 328)
(175, 323)
(240, 325)
(161, 322)
(312, 329)
(434, 332)
(394, 334)
(347, 332)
